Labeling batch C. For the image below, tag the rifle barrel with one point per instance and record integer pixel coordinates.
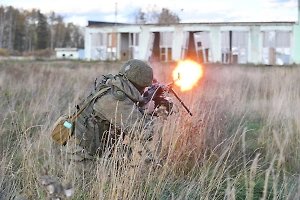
(182, 103)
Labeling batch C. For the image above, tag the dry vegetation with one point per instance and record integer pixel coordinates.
(243, 141)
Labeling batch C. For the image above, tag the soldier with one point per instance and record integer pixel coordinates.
(120, 110)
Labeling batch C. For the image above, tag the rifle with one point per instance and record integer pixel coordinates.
(157, 93)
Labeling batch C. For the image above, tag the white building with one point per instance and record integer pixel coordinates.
(235, 42)
(69, 53)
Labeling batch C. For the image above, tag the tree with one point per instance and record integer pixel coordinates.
(59, 30)
(151, 15)
(67, 42)
(51, 24)
(19, 40)
(2, 23)
(30, 30)
(140, 17)
(42, 32)
(167, 17)
(77, 36)
(10, 28)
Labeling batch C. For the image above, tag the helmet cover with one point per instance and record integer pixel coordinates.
(138, 72)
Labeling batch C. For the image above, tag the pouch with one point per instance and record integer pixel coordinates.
(62, 130)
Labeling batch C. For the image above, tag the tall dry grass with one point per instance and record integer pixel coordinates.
(241, 143)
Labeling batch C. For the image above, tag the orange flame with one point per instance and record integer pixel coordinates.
(189, 73)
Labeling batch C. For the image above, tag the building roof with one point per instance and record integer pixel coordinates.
(101, 23)
(273, 23)
(66, 49)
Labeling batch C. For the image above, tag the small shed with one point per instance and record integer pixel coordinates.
(69, 53)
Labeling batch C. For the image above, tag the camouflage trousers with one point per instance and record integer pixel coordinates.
(135, 151)
(76, 152)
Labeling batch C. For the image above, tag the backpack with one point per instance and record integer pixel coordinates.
(64, 125)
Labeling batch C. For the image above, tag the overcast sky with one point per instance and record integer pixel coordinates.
(81, 11)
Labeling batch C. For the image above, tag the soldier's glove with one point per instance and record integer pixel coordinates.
(163, 102)
(157, 93)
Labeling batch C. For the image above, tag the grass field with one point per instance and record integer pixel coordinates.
(242, 142)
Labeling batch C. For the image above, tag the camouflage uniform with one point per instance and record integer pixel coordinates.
(115, 113)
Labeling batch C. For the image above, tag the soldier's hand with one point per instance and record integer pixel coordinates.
(149, 107)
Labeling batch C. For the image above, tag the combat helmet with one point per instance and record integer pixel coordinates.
(138, 72)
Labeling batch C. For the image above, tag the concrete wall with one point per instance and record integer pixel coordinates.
(81, 54)
(67, 54)
(297, 38)
(255, 39)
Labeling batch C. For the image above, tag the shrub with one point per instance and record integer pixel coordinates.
(15, 53)
(4, 52)
(44, 53)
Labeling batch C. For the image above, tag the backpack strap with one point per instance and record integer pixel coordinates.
(73, 118)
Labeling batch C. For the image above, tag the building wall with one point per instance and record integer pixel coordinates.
(81, 54)
(67, 54)
(177, 43)
(297, 44)
(254, 46)
(297, 38)
(144, 42)
(215, 38)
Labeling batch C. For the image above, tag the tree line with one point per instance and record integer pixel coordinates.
(24, 31)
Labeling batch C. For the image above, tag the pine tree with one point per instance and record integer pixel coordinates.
(42, 32)
(19, 41)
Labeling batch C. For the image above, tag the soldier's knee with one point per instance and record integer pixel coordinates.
(77, 153)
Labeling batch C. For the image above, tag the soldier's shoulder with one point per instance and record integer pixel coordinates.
(106, 101)
(118, 94)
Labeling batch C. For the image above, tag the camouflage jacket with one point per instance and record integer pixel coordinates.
(115, 113)
(120, 107)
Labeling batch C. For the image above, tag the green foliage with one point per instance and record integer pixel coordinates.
(258, 189)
